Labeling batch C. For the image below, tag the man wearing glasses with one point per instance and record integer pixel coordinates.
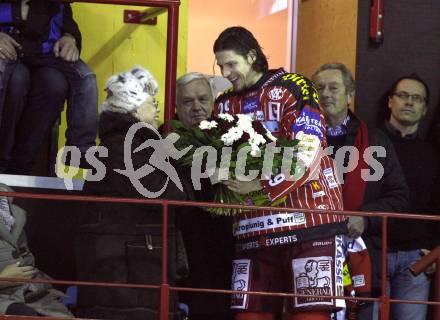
(408, 100)
(410, 239)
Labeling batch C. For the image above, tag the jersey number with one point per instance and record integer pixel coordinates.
(224, 106)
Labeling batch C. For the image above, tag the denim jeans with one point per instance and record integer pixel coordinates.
(13, 99)
(29, 111)
(401, 284)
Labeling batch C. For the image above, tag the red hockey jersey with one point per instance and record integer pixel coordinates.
(287, 104)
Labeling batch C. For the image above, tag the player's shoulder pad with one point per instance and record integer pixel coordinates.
(299, 85)
(293, 81)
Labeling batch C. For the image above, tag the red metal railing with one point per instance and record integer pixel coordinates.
(172, 7)
(423, 264)
(171, 65)
(165, 288)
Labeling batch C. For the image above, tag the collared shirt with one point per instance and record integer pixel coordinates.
(397, 133)
(339, 130)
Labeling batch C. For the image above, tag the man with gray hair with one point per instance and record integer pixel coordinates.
(336, 89)
(195, 96)
(207, 238)
(389, 193)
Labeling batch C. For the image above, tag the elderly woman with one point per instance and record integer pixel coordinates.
(123, 242)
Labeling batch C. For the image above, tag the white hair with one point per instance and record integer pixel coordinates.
(127, 91)
(190, 77)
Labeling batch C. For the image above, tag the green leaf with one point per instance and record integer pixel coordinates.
(199, 135)
(176, 124)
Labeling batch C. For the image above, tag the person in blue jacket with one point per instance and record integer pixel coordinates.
(40, 67)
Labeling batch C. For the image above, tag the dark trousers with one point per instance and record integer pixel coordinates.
(33, 92)
(123, 253)
(20, 309)
(209, 244)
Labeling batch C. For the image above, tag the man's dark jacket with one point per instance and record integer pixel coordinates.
(389, 194)
(421, 165)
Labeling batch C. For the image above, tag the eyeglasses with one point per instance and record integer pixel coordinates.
(403, 95)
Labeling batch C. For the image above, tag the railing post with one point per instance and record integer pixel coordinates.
(437, 289)
(171, 63)
(384, 299)
(164, 287)
(424, 263)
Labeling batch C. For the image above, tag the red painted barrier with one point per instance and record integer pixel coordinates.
(421, 265)
(165, 288)
(170, 86)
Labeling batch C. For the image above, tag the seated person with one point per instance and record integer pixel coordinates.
(16, 261)
(122, 242)
(39, 68)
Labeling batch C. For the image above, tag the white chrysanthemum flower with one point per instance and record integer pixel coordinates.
(227, 139)
(226, 117)
(236, 132)
(233, 134)
(207, 125)
(203, 124)
(244, 117)
(255, 150)
(256, 138)
(271, 136)
(213, 124)
(244, 121)
(249, 130)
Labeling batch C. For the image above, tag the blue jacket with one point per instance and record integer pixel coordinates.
(46, 22)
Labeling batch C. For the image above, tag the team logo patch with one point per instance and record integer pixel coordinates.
(330, 177)
(250, 105)
(248, 245)
(288, 219)
(281, 240)
(308, 146)
(316, 185)
(358, 281)
(309, 122)
(259, 115)
(276, 93)
(322, 243)
(240, 282)
(313, 276)
(317, 189)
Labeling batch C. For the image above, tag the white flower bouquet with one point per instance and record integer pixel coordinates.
(242, 143)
